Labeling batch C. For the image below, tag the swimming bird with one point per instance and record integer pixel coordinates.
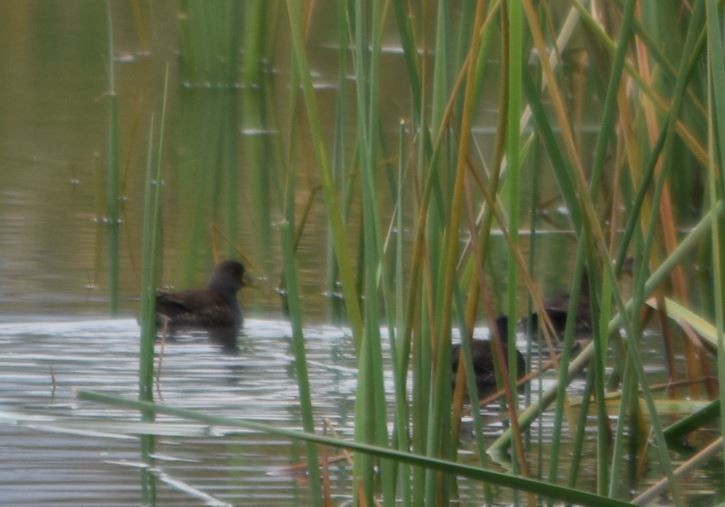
(557, 308)
(214, 308)
(482, 355)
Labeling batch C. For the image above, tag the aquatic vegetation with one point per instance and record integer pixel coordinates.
(589, 114)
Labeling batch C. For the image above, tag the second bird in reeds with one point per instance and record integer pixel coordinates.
(214, 308)
(483, 359)
(557, 309)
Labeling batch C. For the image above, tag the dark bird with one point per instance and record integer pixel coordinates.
(215, 309)
(482, 353)
(557, 308)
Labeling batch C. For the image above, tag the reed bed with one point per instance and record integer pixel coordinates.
(429, 230)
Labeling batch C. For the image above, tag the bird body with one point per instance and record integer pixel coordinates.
(557, 309)
(199, 308)
(482, 354)
(215, 307)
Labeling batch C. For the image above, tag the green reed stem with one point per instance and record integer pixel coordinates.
(716, 146)
(610, 101)
(409, 57)
(112, 178)
(340, 174)
(370, 419)
(513, 154)
(342, 248)
(148, 311)
(578, 443)
(561, 167)
(605, 130)
(563, 375)
(618, 458)
(289, 246)
(298, 345)
(449, 467)
(467, 335)
(402, 432)
(438, 407)
(149, 278)
(336, 224)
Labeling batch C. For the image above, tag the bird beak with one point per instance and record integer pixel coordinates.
(247, 280)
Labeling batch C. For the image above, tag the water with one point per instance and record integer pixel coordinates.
(64, 451)
(59, 450)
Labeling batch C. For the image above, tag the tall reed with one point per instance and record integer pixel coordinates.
(149, 282)
(716, 179)
(113, 214)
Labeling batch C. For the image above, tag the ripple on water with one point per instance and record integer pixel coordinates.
(61, 449)
(74, 451)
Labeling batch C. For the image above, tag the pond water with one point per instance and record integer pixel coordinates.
(59, 450)
(63, 451)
